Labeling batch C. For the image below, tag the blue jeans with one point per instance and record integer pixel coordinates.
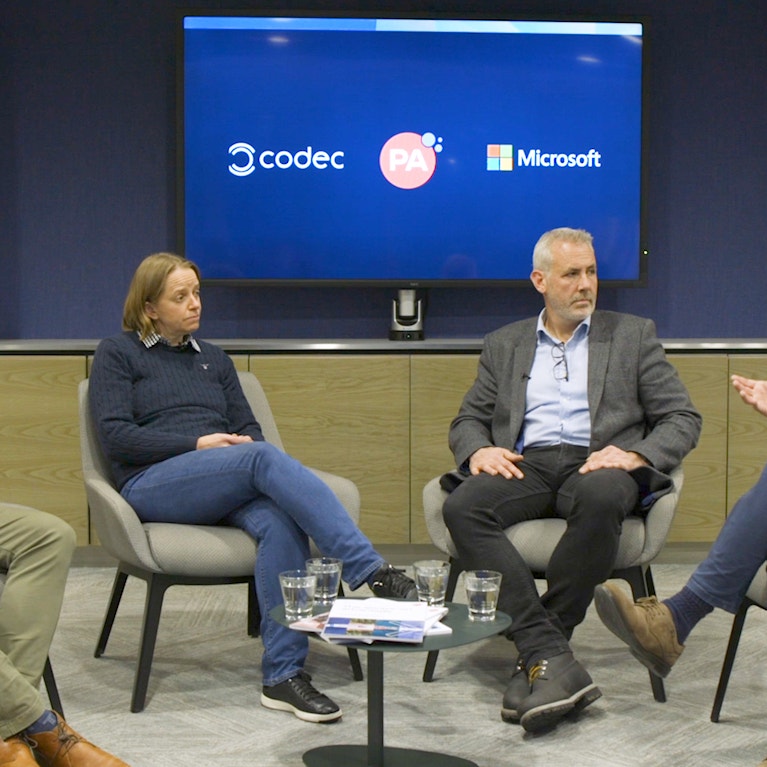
(724, 576)
(279, 503)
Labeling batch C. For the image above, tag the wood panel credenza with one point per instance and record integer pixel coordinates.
(374, 411)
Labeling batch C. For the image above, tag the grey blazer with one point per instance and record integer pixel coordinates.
(636, 399)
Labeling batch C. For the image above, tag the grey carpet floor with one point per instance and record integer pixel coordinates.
(203, 704)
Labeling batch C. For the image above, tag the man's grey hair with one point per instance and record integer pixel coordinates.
(542, 257)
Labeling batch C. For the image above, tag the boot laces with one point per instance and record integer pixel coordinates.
(66, 739)
(537, 670)
(650, 605)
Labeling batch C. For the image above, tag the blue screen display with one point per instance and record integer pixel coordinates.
(407, 152)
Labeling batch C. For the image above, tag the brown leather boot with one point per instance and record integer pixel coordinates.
(14, 752)
(63, 747)
(646, 626)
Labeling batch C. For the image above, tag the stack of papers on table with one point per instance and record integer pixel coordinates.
(374, 619)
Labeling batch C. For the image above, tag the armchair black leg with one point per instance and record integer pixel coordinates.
(649, 582)
(114, 602)
(636, 580)
(254, 611)
(658, 688)
(52, 689)
(729, 657)
(642, 585)
(156, 587)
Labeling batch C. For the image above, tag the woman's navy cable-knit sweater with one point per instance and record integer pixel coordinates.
(150, 404)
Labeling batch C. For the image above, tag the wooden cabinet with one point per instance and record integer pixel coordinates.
(702, 505)
(348, 414)
(39, 436)
(438, 383)
(381, 419)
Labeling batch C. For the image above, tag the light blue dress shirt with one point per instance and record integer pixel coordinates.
(557, 406)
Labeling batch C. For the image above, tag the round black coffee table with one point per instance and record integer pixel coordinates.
(375, 754)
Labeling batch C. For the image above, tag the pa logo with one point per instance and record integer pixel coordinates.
(408, 160)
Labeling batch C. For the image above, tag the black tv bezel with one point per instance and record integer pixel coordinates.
(182, 13)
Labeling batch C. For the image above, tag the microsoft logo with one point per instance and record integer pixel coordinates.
(500, 157)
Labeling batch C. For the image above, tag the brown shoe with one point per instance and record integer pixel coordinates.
(63, 747)
(645, 626)
(14, 752)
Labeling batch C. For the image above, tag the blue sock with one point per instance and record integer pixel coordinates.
(687, 608)
(45, 723)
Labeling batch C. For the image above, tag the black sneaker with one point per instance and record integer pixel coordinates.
(298, 695)
(389, 582)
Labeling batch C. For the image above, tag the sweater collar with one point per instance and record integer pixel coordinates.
(155, 338)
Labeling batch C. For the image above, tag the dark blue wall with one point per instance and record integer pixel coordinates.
(87, 177)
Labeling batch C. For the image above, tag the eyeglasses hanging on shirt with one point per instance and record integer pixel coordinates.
(560, 362)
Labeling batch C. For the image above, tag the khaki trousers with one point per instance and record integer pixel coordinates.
(35, 551)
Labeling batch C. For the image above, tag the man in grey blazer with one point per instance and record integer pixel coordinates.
(574, 414)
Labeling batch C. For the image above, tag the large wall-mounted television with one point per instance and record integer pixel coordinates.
(406, 152)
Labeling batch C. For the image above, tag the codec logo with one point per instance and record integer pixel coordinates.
(244, 159)
(408, 160)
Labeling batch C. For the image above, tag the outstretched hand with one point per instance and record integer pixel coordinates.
(752, 392)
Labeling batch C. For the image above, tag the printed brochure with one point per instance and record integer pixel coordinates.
(375, 619)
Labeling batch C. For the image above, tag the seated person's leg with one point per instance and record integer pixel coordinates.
(656, 631)
(20, 702)
(203, 486)
(724, 576)
(594, 506)
(36, 549)
(477, 513)
(318, 512)
(546, 682)
(282, 545)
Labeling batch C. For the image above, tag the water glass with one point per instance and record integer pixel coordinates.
(482, 587)
(298, 593)
(327, 571)
(431, 580)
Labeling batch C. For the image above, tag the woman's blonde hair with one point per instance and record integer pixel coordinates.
(148, 284)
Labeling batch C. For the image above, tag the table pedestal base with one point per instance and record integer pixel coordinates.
(357, 756)
(375, 754)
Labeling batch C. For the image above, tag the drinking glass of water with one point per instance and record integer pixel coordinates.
(298, 593)
(482, 587)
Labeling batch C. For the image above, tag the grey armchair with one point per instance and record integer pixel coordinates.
(641, 541)
(162, 556)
